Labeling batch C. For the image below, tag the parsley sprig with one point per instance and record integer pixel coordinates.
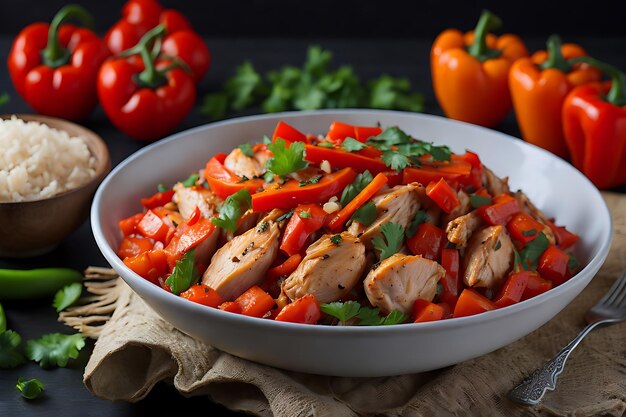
(232, 209)
(366, 316)
(55, 349)
(391, 241)
(286, 160)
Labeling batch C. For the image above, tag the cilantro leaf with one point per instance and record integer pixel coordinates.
(530, 232)
(477, 200)
(389, 137)
(533, 250)
(246, 149)
(572, 263)
(244, 87)
(55, 349)
(190, 181)
(4, 98)
(439, 153)
(360, 182)
(395, 160)
(162, 188)
(325, 145)
(387, 92)
(285, 216)
(352, 145)
(312, 180)
(420, 217)
(10, 356)
(366, 214)
(343, 311)
(214, 106)
(286, 160)
(393, 236)
(67, 296)
(395, 317)
(30, 389)
(232, 209)
(184, 274)
(336, 239)
(369, 316)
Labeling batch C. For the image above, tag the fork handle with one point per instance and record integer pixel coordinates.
(532, 389)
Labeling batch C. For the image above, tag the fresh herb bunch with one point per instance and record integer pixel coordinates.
(314, 86)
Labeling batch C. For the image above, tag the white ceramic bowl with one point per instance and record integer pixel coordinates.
(554, 185)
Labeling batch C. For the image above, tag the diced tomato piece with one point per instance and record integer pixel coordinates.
(443, 195)
(299, 228)
(132, 246)
(536, 285)
(202, 294)
(152, 226)
(128, 226)
(230, 306)
(471, 302)
(255, 302)
(501, 211)
(424, 311)
(305, 310)
(428, 241)
(452, 282)
(363, 133)
(553, 265)
(564, 238)
(159, 199)
(288, 133)
(523, 228)
(512, 290)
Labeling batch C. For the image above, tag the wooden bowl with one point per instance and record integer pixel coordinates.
(30, 228)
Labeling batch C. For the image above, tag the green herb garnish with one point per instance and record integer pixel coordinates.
(286, 159)
(67, 296)
(530, 232)
(366, 214)
(393, 234)
(55, 349)
(285, 216)
(352, 145)
(312, 180)
(533, 250)
(477, 200)
(30, 389)
(336, 239)
(190, 181)
(162, 188)
(246, 149)
(10, 356)
(366, 316)
(420, 217)
(360, 182)
(232, 209)
(184, 274)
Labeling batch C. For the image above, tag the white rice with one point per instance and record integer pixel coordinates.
(38, 162)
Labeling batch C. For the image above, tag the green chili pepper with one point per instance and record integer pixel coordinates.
(34, 283)
(3, 320)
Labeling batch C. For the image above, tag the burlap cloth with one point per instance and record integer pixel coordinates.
(135, 349)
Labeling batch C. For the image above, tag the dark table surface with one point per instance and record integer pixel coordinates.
(65, 394)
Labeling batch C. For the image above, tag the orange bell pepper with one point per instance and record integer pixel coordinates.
(539, 85)
(513, 289)
(132, 246)
(470, 72)
(255, 302)
(202, 294)
(223, 182)
(429, 240)
(300, 227)
(471, 302)
(442, 194)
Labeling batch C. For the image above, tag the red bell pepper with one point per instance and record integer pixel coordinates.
(471, 302)
(224, 183)
(145, 98)
(186, 237)
(338, 220)
(150, 265)
(133, 246)
(424, 311)
(284, 269)
(339, 158)
(128, 226)
(202, 294)
(523, 228)
(564, 238)
(153, 226)
(428, 241)
(443, 195)
(304, 310)
(300, 228)
(288, 133)
(536, 285)
(500, 212)
(513, 289)
(454, 172)
(230, 306)
(54, 67)
(291, 194)
(452, 282)
(475, 178)
(140, 16)
(339, 131)
(594, 124)
(363, 133)
(255, 302)
(158, 199)
(553, 265)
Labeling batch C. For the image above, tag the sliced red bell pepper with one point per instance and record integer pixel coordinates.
(443, 195)
(132, 246)
(336, 222)
(224, 183)
(564, 238)
(500, 212)
(454, 172)
(471, 303)
(288, 133)
(536, 285)
(231, 307)
(147, 265)
(187, 237)
(512, 290)
(363, 133)
(452, 282)
(393, 178)
(158, 199)
(300, 228)
(152, 226)
(424, 311)
(291, 194)
(202, 294)
(475, 178)
(284, 269)
(304, 310)
(428, 241)
(128, 226)
(523, 228)
(553, 265)
(339, 158)
(339, 131)
(255, 302)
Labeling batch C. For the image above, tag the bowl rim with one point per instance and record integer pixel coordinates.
(94, 142)
(155, 291)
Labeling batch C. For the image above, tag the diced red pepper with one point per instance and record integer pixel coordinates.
(159, 199)
(224, 183)
(443, 195)
(255, 302)
(132, 246)
(475, 178)
(424, 311)
(152, 226)
(428, 241)
(500, 212)
(305, 310)
(187, 237)
(286, 268)
(202, 294)
(471, 302)
(339, 158)
(393, 178)
(523, 228)
(339, 131)
(454, 172)
(536, 285)
(513, 289)
(452, 282)
(128, 226)
(564, 238)
(231, 307)
(288, 133)
(553, 265)
(363, 133)
(143, 265)
(300, 228)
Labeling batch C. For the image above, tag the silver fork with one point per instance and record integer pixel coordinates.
(609, 310)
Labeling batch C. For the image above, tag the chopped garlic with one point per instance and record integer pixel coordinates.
(333, 198)
(331, 207)
(325, 166)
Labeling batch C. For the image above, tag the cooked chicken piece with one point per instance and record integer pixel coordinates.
(460, 229)
(244, 261)
(401, 279)
(398, 204)
(206, 249)
(245, 166)
(329, 271)
(494, 184)
(528, 207)
(188, 199)
(464, 207)
(488, 258)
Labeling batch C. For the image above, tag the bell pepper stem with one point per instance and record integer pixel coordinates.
(479, 49)
(617, 92)
(147, 48)
(55, 55)
(555, 56)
